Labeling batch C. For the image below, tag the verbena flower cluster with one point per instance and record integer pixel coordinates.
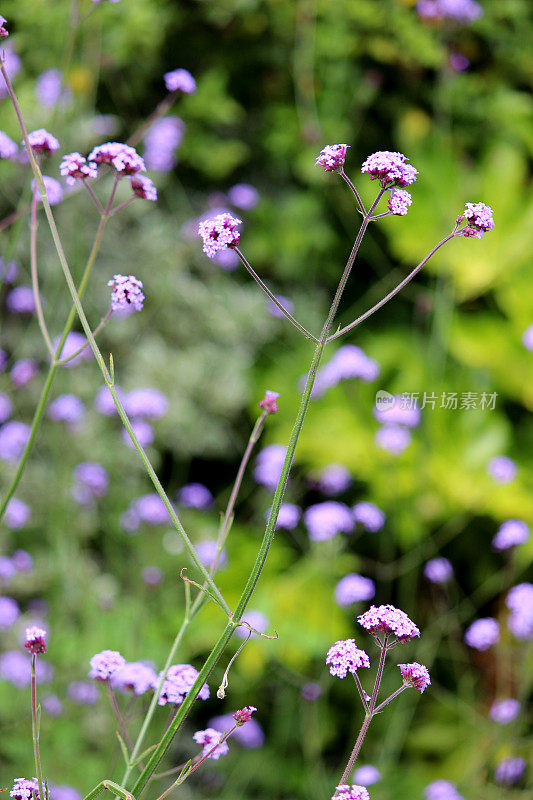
(127, 293)
(344, 656)
(35, 641)
(388, 620)
(219, 233)
(332, 157)
(178, 680)
(209, 738)
(415, 675)
(353, 792)
(390, 168)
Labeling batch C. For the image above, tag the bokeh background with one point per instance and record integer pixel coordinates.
(277, 81)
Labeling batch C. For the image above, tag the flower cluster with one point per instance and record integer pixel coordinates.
(209, 738)
(244, 714)
(178, 681)
(399, 202)
(520, 602)
(415, 675)
(509, 770)
(8, 148)
(43, 142)
(4, 33)
(348, 363)
(442, 790)
(388, 620)
(24, 789)
(502, 469)
(354, 792)
(504, 711)
(143, 187)
(134, 677)
(462, 11)
(332, 479)
(511, 533)
(195, 495)
(105, 664)
(127, 293)
(390, 168)
(325, 520)
(344, 656)
(332, 157)
(438, 570)
(75, 166)
(354, 588)
(219, 233)
(268, 403)
(479, 219)
(122, 157)
(180, 80)
(482, 634)
(369, 516)
(35, 641)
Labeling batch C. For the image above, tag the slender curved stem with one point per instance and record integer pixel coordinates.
(118, 715)
(76, 353)
(35, 728)
(97, 202)
(360, 203)
(35, 276)
(391, 697)
(362, 693)
(109, 786)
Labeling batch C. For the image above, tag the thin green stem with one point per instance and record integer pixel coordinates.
(388, 700)
(76, 353)
(35, 729)
(379, 675)
(35, 276)
(362, 693)
(361, 205)
(109, 786)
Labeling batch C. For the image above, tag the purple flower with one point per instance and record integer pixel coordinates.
(9, 613)
(152, 575)
(463, 11)
(333, 479)
(8, 148)
(22, 561)
(104, 403)
(178, 681)
(64, 793)
(83, 693)
(311, 691)
(438, 570)
(92, 476)
(250, 735)
(399, 202)
(502, 469)
(49, 89)
(53, 706)
(6, 407)
(13, 439)
(35, 641)
(104, 664)
(390, 168)
(354, 588)
(255, 619)
(353, 792)
(332, 157)
(288, 516)
(369, 516)
(415, 675)
(366, 775)
(479, 218)
(482, 633)
(4, 33)
(133, 677)
(143, 187)
(520, 602)
(75, 166)
(268, 465)
(288, 305)
(24, 789)
(393, 438)
(66, 408)
(209, 738)
(243, 196)
(43, 142)
(218, 233)
(388, 620)
(142, 430)
(511, 533)
(122, 157)
(324, 520)
(243, 715)
(268, 403)
(23, 371)
(54, 190)
(180, 79)
(149, 403)
(504, 711)
(162, 139)
(151, 510)
(398, 412)
(127, 293)
(509, 770)
(7, 569)
(72, 344)
(344, 656)
(527, 338)
(20, 300)
(195, 495)
(17, 514)
(207, 551)
(442, 790)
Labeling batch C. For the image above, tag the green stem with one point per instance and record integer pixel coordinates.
(35, 729)
(35, 276)
(110, 786)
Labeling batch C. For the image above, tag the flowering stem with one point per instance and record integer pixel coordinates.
(35, 729)
(124, 204)
(35, 276)
(110, 786)
(94, 197)
(274, 299)
(360, 203)
(356, 748)
(379, 675)
(392, 696)
(379, 216)
(118, 715)
(96, 331)
(362, 693)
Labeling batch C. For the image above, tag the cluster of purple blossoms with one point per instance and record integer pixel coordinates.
(353, 792)
(17, 514)
(462, 11)
(332, 157)
(133, 677)
(250, 735)
(161, 142)
(43, 142)
(20, 300)
(399, 202)
(4, 33)
(483, 634)
(35, 640)
(90, 481)
(438, 570)
(509, 770)
(13, 439)
(511, 533)
(25, 789)
(268, 465)
(7, 569)
(126, 293)
(367, 775)
(66, 408)
(218, 233)
(519, 601)
(289, 516)
(415, 675)
(75, 166)
(479, 219)
(311, 691)
(244, 715)
(23, 371)
(442, 790)
(105, 664)
(243, 195)
(207, 552)
(504, 711)
(354, 588)
(369, 516)
(393, 438)
(104, 403)
(256, 620)
(390, 168)
(180, 80)
(178, 681)
(9, 613)
(8, 148)
(195, 495)
(348, 363)
(143, 187)
(122, 157)
(333, 479)
(325, 520)
(344, 656)
(213, 747)
(388, 620)
(268, 403)
(502, 469)
(146, 403)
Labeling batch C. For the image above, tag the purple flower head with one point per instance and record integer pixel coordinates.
(511, 533)
(333, 479)
(250, 735)
(243, 196)
(22, 560)
(502, 469)
(149, 403)
(35, 641)
(458, 62)
(122, 157)
(82, 693)
(52, 705)
(344, 656)
(347, 363)
(268, 465)
(509, 770)
(354, 588)
(17, 514)
(479, 220)
(162, 139)
(105, 664)
(255, 619)
(527, 338)
(390, 168)
(209, 739)
(93, 476)
(180, 79)
(4, 33)
(415, 675)
(23, 371)
(8, 148)
(133, 677)
(332, 157)
(388, 620)
(20, 300)
(178, 681)
(143, 187)
(369, 516)
(66, 408)
(393, 438)
(13, 439)
(195, 495)
(49, 88)
(353, 792)
(438, 570)
(218, 233)
(289, 306)
(311, 691)
(7, 569)
(399, 202)
(504, 711)
(367, 775)
(73, 342)
(104, 403)
(126, 293)
(6, 407)
(288, 516)
(207, 551)
(150, 509)
(75, 166)
(24, 789)
(482, 633)
(442, 790)
(152, 575)
(43, 142)
(462, 11)
(324, 520)
(54, 190)
(520, 602)
(8, 272)
(244, 715)
(9, 613)
(268, 403)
